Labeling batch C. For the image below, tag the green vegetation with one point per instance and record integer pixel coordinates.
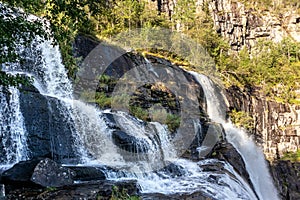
(156, 115)
(122, 195)
(100, 98)
(242, 119)
(139, 113)
(292, 156)
(173, 122)
(273, 67)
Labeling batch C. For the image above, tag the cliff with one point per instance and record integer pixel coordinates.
(244, 26)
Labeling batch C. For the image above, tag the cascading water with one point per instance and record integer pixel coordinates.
(253, 156)
(12, 130)
(152, 160)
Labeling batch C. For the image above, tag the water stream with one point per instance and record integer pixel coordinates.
(253, 156)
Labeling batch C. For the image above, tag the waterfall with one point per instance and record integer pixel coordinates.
(12, 130)
(253, 156)
(149, 157)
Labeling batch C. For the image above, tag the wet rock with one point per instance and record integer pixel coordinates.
(129, 142)
(287, 179)
(110, 120)
(172, 170)
(212, 167)
(49, 129)
(20, 173)
(87, 173)
(207, 136)
(225, 151)
(48, 173)
(38, 172)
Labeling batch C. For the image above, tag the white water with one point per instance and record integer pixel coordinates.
(253, 156)
(12, 129)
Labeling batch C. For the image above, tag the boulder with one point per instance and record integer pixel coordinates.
(38, 172)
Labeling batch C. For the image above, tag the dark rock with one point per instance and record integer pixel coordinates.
(287, 179)
(87, 173)
(90, 191)
(83, 45)
(48, 126)
(110, 120)
(129, 143)
(172, 170)
(207, 136)
(212, 167)
(34, 107)
(225, 151)
(48, 173)
(20, 172)
(41, 172)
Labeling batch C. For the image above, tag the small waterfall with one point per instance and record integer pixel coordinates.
(12, 130)
(252, 155)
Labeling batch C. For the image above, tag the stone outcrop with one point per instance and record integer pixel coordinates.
(244, 26)
(276, 125)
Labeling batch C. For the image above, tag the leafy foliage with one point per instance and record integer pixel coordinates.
(274, 67)
(292, 156)
(242, 119)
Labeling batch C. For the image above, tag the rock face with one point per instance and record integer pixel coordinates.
(276, 125)
(146, 82)
(46, 125)
(225, 151)
(287, 179)
(244, 26)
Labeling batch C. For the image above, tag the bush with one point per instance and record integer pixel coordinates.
(242, 119)
(292, 156)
